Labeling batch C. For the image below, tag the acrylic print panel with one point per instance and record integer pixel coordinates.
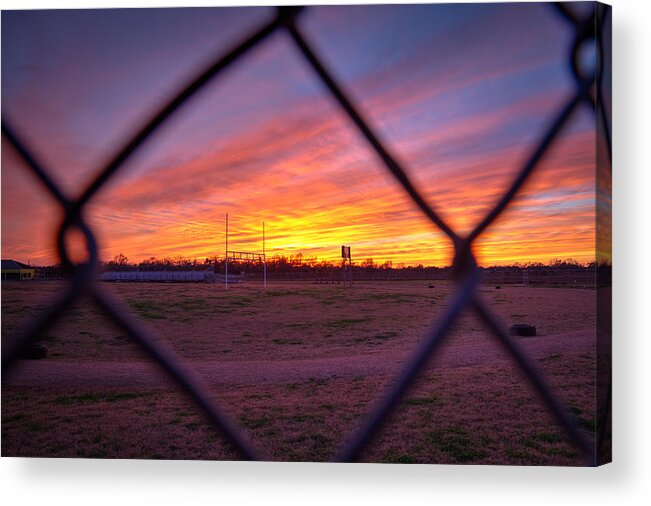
(178, 186)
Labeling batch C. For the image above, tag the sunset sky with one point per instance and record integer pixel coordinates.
(460, 93)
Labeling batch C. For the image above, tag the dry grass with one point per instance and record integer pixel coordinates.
(481, 414)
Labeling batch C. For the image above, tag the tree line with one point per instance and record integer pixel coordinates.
(302, 266)
(300, 263)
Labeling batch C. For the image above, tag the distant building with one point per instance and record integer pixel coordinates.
(12, 270)
(206, 276)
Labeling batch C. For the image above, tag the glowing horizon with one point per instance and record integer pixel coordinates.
(461, 105)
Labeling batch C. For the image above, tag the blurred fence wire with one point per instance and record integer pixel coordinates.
(82, 281)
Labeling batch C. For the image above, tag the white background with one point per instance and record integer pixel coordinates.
(626, 481)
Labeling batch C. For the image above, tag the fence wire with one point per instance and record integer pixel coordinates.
(83, 275)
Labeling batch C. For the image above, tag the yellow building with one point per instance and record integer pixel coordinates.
(12, 270)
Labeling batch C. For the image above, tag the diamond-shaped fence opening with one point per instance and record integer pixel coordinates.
(82, 276)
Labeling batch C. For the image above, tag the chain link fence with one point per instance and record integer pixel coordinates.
(82, 276)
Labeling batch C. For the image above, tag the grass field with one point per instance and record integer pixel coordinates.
(297, 366)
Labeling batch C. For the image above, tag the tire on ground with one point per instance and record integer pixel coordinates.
(522, 329)
(34, 351)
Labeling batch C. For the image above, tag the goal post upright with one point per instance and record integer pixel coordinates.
(264, 258)
(226, 255)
